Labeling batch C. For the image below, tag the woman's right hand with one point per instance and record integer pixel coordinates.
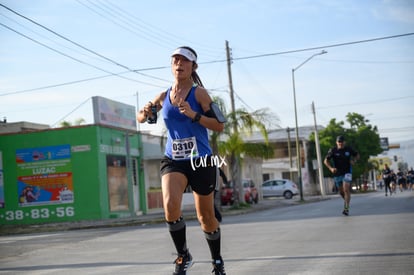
(144, 112)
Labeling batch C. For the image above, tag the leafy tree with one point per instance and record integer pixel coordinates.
(361, 135)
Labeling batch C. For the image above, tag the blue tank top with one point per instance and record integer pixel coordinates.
(185, 139)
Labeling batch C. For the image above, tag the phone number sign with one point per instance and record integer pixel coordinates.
(38, 213)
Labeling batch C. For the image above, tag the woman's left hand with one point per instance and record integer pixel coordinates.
(185, 108)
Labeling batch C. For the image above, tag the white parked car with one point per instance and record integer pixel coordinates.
(279, 188)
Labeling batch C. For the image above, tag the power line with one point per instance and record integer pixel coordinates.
(68, 83)
(75, 43)
(71, 112)
(102, 10)
(217, 61)
(239, 58)
(68, 56)
(406, 116)
(84, 80)
(401, 129)
(367, 102)
(65, 38)
(130, 23)
(146, 75)
(326, 46)
(42, 36)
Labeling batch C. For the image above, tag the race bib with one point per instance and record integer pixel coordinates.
(184, 148)
(348, 177)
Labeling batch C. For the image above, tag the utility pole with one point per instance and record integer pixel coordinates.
(233, 109)
(290, 153)
(234, 158)
(141, 178)
(318, 153)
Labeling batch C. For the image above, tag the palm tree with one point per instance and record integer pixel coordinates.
(77, 122)
(374, 167)
(230, 142)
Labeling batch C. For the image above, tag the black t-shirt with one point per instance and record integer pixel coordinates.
(401, 177)
(386, 173)
(341, 159)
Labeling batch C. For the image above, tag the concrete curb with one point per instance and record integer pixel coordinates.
(152, 218)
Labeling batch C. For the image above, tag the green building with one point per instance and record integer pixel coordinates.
(89, 172)
(70, 174)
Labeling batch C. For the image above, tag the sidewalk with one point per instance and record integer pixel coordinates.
(153, 217)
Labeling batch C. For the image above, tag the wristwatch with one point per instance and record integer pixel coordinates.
(196, 118)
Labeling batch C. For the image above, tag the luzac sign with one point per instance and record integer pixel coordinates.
(44, 175)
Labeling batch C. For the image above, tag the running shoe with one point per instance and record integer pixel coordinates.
(346, 210)
(183, 263)
(218, 267)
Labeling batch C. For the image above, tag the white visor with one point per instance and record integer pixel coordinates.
(186, 53)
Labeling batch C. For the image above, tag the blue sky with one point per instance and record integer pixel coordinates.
(374, 78)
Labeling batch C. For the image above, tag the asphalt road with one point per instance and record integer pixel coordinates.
(310, 238)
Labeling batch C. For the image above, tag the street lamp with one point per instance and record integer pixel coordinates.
(298, 158)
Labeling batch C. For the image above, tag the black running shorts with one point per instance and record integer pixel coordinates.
(201, 176)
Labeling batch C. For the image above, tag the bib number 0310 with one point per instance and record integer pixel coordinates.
(184, 148)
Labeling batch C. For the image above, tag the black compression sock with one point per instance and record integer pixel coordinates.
(178, 234)
(214, 243)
